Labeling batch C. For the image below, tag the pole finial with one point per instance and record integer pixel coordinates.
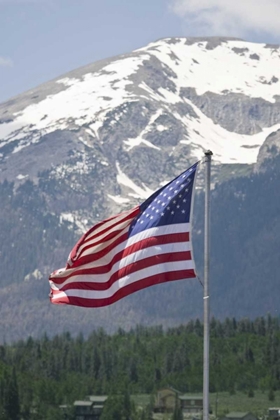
(208, 153)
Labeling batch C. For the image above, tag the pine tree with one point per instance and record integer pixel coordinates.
(271, 395)
(11, 406)
(251, 393)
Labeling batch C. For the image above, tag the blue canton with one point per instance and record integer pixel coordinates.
(169, 205)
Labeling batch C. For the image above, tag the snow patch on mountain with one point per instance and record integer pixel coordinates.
(20, 176)
(79, 103)
(138, 192)
(79, 221)
(254, 72)
(118, 199)
(79, 167)
(228, 147)
(132, 142)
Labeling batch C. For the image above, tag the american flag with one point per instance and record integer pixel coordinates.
(147, 245)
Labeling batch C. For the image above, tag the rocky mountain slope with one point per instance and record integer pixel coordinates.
(101, 138)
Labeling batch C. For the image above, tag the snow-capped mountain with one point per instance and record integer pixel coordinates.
(188, 95)
(103, 137)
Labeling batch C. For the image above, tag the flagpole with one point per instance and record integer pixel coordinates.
(208, 155)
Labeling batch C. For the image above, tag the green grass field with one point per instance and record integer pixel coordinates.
(257, 405)
(224, 403)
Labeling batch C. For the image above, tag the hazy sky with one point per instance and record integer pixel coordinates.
(42, 39)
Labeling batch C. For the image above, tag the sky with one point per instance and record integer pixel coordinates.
(43, 39)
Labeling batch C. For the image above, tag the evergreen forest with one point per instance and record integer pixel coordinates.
(39, 375)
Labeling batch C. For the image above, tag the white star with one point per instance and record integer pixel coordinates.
(164, 195)
(178, 206)
(163, 204)
(151, 217)
(184, 201)
(147, 215)
(169, 198)
(174, 201)
(183, 211)
(180, 195)
(142, 221)
(162, 214)
(168, 208)
(157, 210)
(172, 212)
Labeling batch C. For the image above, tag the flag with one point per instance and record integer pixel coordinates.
(145, 246)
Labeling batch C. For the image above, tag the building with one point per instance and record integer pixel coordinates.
(91, 408)
(240, 416)
(191, 404)
(167, 398)
(274, 413)
(83, 410)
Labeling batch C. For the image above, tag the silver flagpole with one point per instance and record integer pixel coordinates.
(208, 155)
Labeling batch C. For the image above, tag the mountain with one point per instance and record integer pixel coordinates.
(102, 138)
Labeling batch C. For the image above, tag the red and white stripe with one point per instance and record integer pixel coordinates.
(106, 264)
